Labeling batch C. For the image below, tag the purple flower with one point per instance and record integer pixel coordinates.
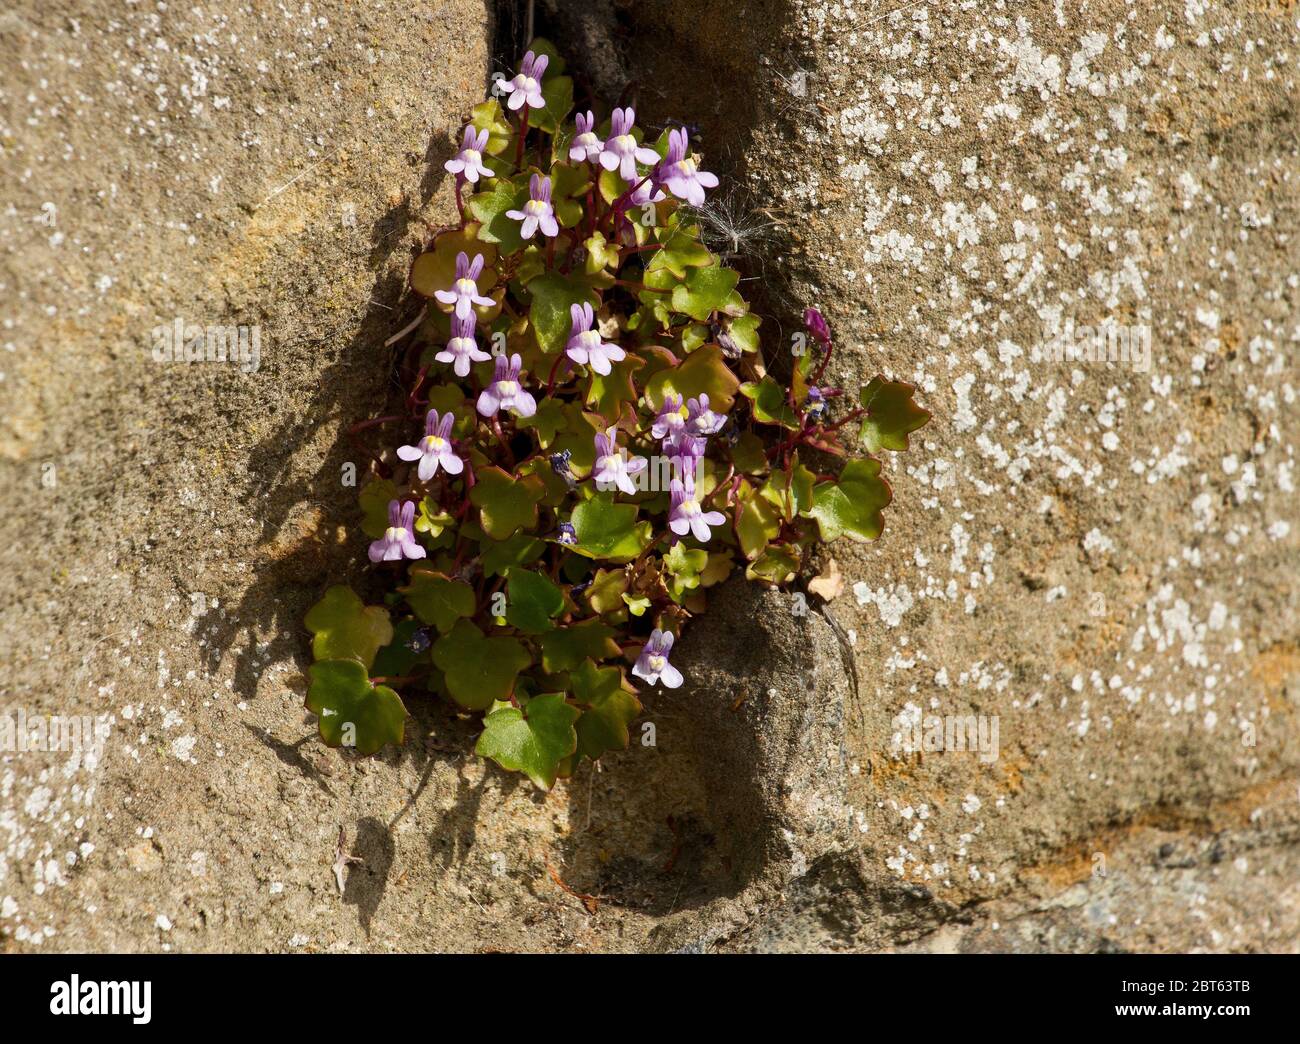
(670, 419)
(527, 85)
(682, 445)
(505, 391)
(398, 540)
(613, 466)
(537, 212)
(700, 420)
(568, 535)
(464, 291)
(585, 145)
(468, 162)
(586, 345)
(462, 349)
(621, 151)
(435, 448)
(816, 324)
(653, 665)
(686, 516)
(680, 173)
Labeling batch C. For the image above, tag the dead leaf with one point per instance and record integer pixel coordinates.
(830, 584)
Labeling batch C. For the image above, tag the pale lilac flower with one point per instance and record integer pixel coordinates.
(621, 150)
(586, 345)
(653, 666)
(613, 466)
(435, 448)
(398, 540)
(468, 162)
(505, 392)
(537, 212)
(464, 291)
(585, 145)
(680, 173)
(685, 515)
(527, 85)
(700, 420)
(462, 349)
(670, 419)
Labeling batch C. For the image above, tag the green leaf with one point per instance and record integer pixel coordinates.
(608, 530)
(608, 707)
(497, 556)
(557, 91)
(374, 498)
(533, 740)
(479, 670)
(704, 370)
(548, 420)
(705, 291)
(851, 506)
(353, 712)
(437, 599)
(776, 565)
(770, 406)
(532, 601)
(431, 519)
(600, 254)
(566, 647)
(489, 117)
(505, 503)
(891, 415)
(490, 208)
(552, 295)
(743, 332)
(759, 521)
(681, 250)
(345, 628)
(684, 565)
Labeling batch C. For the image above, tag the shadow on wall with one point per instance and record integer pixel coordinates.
(285, 585)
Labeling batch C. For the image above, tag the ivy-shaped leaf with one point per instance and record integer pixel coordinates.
(438, 599)
(533, 740)
(489, 208)
(609, 530)
(497, 556)
(346, 628)
(851, 506)
(703, 371)
(770, 406)
(608, 706)
(759, 521)
(566, 647)
(552, 295)
(407, 648)
(479, 670)
(505, 503)
(532, 601)
(705, 291)
(891, 415)
(489, 117)
(352, 711)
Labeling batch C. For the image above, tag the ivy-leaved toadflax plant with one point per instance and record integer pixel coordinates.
(590, 441)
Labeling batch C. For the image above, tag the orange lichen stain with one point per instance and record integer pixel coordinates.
(1074, 862)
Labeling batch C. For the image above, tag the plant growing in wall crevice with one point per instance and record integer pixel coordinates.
(589, 441)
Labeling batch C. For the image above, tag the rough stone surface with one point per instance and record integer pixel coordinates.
(1099, 558)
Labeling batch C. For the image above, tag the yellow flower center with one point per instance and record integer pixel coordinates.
(658, 663)
(506, 389)
(473, 157)
(434, 443)
(535, 207)
(625, 142)
(395, 534)
(466, 286)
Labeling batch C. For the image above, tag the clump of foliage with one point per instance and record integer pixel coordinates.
(590, 441)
